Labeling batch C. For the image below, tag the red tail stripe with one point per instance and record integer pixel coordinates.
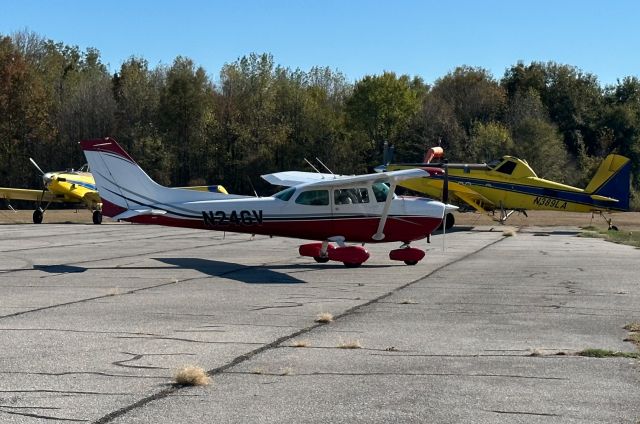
(106, 144)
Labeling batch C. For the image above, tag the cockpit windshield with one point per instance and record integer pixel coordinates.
(285, 194)
(494, 163)
(380, 190)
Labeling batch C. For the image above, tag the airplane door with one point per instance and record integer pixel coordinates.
(313, 214)
(351, 207)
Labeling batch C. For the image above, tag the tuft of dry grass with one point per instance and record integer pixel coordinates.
(536, 352)
(509, 233)
(286, 371)
(192, 376)
(301, 343)
(257, 371)
(408, 302)
(353, 344)
(633, 327)
(114, 291)
(324, 317)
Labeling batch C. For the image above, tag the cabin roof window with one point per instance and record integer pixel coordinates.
(507, 167)
(313, 197)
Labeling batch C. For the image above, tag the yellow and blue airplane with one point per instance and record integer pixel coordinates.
(509, 184)
(70, 186)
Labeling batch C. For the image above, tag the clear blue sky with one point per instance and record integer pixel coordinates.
(356, 37)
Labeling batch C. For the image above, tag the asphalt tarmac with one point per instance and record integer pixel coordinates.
(95, 321)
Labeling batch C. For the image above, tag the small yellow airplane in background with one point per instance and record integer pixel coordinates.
(509, 184)
(70, 186)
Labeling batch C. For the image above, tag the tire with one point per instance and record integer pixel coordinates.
(410, 262)
(38, 214)
(97, 217)
(320, 259)
(613, 228)
(449, 221)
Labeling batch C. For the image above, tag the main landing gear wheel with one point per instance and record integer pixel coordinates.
(320, 259)
(410, 262)
(38, 214)
(448, 222)
(97, 217)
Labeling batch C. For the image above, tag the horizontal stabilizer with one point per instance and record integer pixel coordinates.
(603, 198)
(138, 212)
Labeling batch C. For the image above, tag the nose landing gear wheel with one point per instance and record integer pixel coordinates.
(320, 259)
(38, 214)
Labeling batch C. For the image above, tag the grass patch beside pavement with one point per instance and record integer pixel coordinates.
(633, 337)
(631, 238)
(603, 353)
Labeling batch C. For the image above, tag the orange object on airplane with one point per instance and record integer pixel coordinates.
(434, 152)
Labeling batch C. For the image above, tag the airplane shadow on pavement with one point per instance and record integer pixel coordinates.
(249, 274)
(257, 274)
(232, 271)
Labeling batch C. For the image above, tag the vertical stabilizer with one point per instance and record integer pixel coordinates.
(124, 186)
(613, 179)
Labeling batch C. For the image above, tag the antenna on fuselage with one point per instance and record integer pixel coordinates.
(311, 165)
(325, 167)
(252, 187)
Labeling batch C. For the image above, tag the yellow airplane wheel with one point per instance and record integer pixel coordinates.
(38, 214)
(97, 217)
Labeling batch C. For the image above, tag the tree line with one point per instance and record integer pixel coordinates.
(184, 128)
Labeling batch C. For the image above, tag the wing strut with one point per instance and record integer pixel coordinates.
(379, 235)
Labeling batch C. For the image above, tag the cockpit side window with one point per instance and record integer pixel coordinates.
(507, 167)
(346, 196)
(313, 197)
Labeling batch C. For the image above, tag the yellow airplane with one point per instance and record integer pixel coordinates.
(509, 185)
(70, 186)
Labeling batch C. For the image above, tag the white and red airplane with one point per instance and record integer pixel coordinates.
(323, 207)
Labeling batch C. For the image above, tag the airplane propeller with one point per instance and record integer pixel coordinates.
(33, 162)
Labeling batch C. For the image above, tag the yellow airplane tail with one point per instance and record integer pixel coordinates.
(612, 180)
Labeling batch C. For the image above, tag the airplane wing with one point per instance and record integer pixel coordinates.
(470, 197)
(91, 198)
(31, 195)
(293, 178)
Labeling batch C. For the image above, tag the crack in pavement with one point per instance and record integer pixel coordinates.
(69, 392)
(43, 417)
(406, 374)
(98, 373)
(276, 343)
(189, 340)
(543, 414)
